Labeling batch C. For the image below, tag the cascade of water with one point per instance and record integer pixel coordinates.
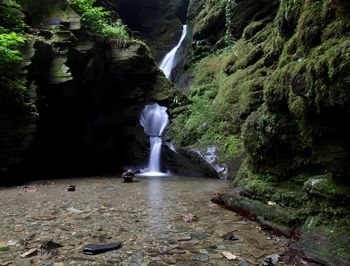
(168, 62)
(154, 120)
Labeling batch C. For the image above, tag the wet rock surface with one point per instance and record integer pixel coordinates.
(145, 216)
(157, 21)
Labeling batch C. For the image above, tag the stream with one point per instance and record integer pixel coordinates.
(146, 216)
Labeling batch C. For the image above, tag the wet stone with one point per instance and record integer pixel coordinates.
(243, 263)
(19, 228)
(170, 259)
(71, 188)
(267, 261)
(216, 256)
(184, 257)
(230, 237)
(150, 227)
(199, 235)
(256, 253)
(200, 257)
(183, 237)
(203, 251)
(178, 251)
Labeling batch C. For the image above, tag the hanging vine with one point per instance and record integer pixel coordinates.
(229, 6)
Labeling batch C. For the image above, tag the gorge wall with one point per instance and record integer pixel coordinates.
(157, 22)
(80, 112)
(268, 83)
(267, 86)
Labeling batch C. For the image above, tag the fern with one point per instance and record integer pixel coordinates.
(95, 21)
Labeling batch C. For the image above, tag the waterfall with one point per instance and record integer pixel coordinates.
(154, 120)
(168, 62)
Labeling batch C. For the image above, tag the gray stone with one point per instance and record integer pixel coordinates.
(275, 258)
(74, 210)
(143, 242)
(242, 263)
(183, 237)
(178, 251)
(200, 257)
(199, 235)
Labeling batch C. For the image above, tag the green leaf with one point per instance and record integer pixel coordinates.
(3, 249)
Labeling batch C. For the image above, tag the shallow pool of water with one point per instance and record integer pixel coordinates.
(146, 216)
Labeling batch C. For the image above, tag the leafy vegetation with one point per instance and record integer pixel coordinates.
(229, 6)
(11, 38)
(96, 21)
(200, 124)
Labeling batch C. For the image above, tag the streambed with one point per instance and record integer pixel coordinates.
(146, 216)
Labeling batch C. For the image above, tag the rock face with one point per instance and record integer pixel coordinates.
(17, 119)
(89, 120)
(88, 95)
(157, 21)
(184, 162)
(270, 86)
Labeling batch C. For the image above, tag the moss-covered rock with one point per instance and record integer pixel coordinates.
(282, 89)
(325, 186)
(209, 20)
(280, 220)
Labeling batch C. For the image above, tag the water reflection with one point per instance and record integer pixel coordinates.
(155, 197)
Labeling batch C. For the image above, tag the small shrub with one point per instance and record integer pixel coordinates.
(95, 21)
(11, 38)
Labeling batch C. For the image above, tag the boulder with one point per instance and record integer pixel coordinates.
(128, 176)
(186, 162)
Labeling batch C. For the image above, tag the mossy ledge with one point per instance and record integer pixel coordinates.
(270, 91)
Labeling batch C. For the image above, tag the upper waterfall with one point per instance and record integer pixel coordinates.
(168, 61)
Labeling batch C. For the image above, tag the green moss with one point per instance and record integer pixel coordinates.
(327, 71)
(272, 45)
(311, 23)
(279, 86)
(209, 14)
(279, 218)
(270, 139)
(260, 189)
(325, 186)
(343, 7)
(252, 57)
(340, 239)
(335, 29)
(282, 92)
(290, 52)
(267, 187)
(233, 146)
(253, 28)
(288, 16)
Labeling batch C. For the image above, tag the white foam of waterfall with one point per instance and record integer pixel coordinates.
(154, 120)
(168, 62)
